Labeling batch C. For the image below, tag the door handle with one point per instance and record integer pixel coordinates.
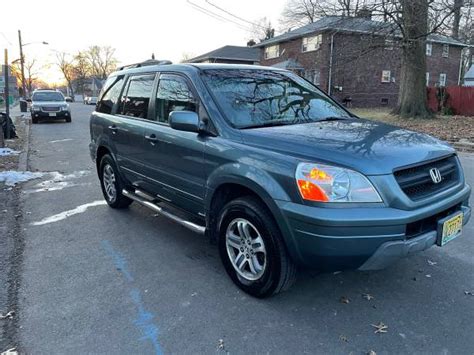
(114, 129)
(151, 138)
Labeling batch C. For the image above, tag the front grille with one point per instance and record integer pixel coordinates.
(50, 109)
(416, 181)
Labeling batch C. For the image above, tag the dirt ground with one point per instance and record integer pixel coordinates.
(453, 129)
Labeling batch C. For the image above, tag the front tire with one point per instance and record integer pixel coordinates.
(112, 184)
(34, 120)
(252, 249)
(68, 119)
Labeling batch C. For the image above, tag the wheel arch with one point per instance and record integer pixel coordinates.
(228, 186)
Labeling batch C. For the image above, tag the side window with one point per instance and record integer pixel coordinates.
(173, 94)
(111, 94)
(137, 95)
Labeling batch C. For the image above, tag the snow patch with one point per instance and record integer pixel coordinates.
(59, 181)
(63, 215)
(7, 151)
(11, 178)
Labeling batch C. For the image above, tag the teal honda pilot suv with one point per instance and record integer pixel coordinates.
(273, 170)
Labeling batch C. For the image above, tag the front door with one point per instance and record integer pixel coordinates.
(174, 159)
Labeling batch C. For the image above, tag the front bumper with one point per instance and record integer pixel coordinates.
(58, 114)
(365, 238)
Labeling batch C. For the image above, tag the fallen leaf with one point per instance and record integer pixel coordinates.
(220, 344)
(344, 300)
(343, 338)
(371, 352)
(368, 296)
(11, 351)
(428, 275)
(469, 293)
(9, 315)
(380, 328)
(432, 262)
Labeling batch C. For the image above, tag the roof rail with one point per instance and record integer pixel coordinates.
(146, 63)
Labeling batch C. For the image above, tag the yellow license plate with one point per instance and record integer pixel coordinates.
(452, 228)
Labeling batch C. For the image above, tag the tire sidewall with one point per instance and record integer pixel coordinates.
(107, 160)
(266, 284)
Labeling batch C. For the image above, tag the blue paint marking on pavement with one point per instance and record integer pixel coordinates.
(144, 322)
(119, 260)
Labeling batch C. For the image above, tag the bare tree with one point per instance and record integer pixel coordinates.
(82, 71)
(102, 60)
(298, 13)
(261, 30)
(66, 65)
(31, 74)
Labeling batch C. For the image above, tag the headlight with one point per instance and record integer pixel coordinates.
(64, 108)
(36, 108)
(325, 183)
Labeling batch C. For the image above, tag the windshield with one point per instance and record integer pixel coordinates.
(254, 98)
(47, 96)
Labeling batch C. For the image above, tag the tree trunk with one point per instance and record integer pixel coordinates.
(457, 17)
(412, 93)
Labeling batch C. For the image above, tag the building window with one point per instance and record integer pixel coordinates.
(311, 43)
(429, 49)
(442, 79)
(445, 50)
(427, 79)
(386, 76)
(272, 52)
(389, 44)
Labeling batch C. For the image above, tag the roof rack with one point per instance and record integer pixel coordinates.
(146, 63)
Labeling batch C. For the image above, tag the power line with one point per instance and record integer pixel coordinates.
(216, 15)
(235, 16)
(6, 39)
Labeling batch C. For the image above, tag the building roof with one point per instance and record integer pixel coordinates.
(350, 24)
(248, 54)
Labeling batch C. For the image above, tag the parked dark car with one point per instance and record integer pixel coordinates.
(49, 104)
(273, 170)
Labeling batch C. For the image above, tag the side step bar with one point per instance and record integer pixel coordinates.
(190, 225)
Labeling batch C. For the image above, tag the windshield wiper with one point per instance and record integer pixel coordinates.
(268, 124)
(333, 118)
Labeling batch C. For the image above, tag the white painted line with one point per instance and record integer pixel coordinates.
(62, 140)
(63, 215)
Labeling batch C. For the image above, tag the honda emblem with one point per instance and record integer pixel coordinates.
(436, 175)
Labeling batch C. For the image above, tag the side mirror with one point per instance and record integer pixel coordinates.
(68, 99)
(184, 121)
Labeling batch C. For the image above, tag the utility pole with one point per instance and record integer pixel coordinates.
(7, 94)
(22, 62)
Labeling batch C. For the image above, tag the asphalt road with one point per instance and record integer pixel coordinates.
(97, 280)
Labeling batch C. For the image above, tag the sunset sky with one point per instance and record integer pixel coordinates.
(170, 29)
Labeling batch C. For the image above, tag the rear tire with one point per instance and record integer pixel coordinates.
(111, 183)
(68, 119)
(252, 249)
(34, 120)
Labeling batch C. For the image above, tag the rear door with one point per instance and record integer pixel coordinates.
(133, 110)
(174, 159)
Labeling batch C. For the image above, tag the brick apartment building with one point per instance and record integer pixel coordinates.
(357, 60)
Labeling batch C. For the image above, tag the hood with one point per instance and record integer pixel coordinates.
(372, 148)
